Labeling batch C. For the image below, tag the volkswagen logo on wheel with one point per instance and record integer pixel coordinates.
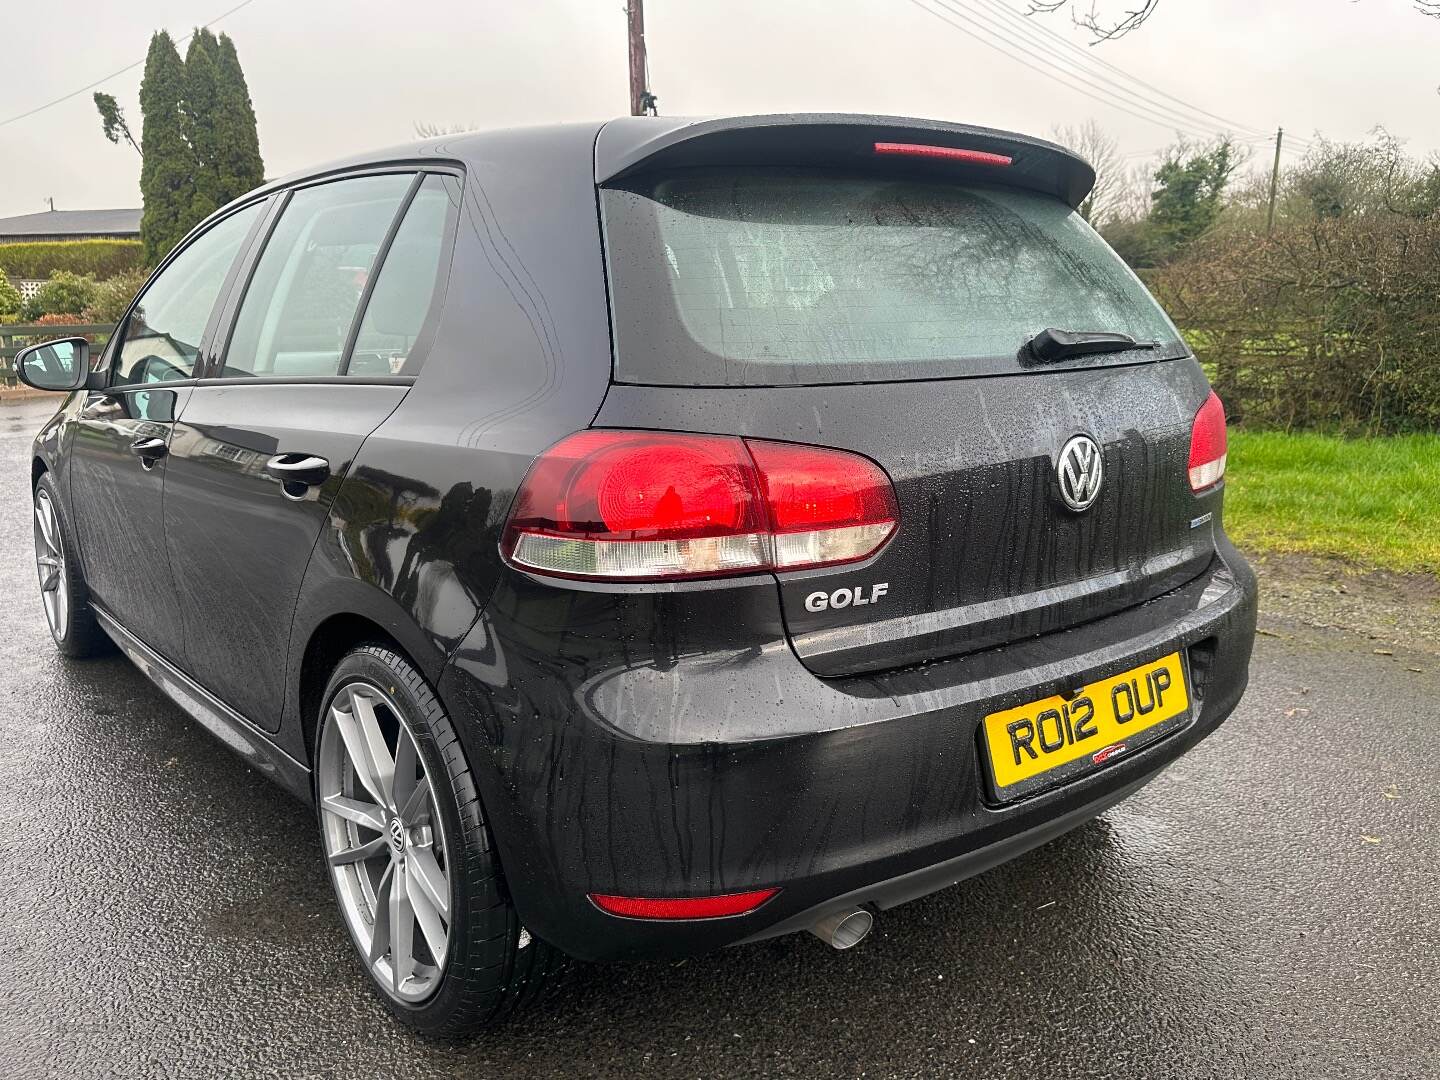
(1079, 470)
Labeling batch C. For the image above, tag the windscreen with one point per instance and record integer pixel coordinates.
(781, 276)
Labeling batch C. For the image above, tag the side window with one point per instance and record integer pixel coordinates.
(161, 338)
(405, 290)
(300, 304)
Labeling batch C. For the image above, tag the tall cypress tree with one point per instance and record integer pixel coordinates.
(203, 122)
(168, 168)
(238, 141)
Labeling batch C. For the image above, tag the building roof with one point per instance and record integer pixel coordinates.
(72, 223)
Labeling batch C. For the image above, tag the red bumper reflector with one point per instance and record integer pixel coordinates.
(951, 153)
(686, 907)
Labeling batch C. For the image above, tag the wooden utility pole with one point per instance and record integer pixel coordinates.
(1274, 181)
(642, 101)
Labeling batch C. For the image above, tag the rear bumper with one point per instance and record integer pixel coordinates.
(664, 744)
(883, 895)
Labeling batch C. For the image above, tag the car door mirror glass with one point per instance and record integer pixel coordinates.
(55, 365)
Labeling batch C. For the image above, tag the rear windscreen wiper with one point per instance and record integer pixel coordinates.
(1051, 345)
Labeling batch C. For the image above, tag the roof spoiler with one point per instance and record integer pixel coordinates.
(634, 146)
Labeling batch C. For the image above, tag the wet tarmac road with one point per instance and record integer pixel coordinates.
(1265, 908)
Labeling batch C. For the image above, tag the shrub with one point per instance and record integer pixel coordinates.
(59, 318)
(1331, 325)
(97, 258)
(64, 293)
(10, 302)
(113, 296)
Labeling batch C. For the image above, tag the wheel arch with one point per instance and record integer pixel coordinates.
(38, 468)
(331, 620)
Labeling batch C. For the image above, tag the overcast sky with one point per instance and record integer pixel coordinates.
(333, 76)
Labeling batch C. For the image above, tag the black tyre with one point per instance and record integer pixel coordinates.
(62, 584)
(411, 858)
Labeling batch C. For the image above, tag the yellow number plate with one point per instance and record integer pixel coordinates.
(1047, 742)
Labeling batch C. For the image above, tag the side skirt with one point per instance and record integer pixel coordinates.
(211, 713)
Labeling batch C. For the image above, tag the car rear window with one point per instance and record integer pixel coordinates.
(764, 276)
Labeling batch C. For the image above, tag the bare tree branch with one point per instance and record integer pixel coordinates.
(1107, 29)
(426, 129)
(1091, 142)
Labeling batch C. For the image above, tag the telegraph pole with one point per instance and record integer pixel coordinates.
(642, 101)
(1274, 181)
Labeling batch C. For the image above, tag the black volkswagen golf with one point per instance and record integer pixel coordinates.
(643, 537)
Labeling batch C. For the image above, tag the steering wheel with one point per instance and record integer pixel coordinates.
(152, 368)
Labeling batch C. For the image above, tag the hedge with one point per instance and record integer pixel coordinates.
(98, 258)
(1332, 326)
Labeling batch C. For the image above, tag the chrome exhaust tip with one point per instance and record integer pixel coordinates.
(844, 929)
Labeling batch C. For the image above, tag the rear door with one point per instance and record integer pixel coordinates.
(118, 460)
(887, 311)
(324, 345)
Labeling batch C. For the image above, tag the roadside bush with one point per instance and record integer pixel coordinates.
(64, 293)
(10, 301)
(1332, 325)
(97, 258)
(113, 296)
(59, 318)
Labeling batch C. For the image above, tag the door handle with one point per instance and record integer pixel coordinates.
(149, 451)
(298, 470)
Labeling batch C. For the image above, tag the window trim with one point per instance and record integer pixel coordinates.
(235, 298)
(113, 347)
(376, 266)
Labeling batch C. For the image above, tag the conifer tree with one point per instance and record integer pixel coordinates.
(202, 124)
(167, 170)
(236, 135)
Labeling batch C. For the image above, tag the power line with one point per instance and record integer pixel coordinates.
(1090, 57)
(1173, 117)
(1096, 91)
(123, 70)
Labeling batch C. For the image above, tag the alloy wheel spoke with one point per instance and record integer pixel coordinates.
(380, 936)
(426, 915)
(417, 807)
(361, 852)
(361, 813)
(402, 928)
(365, 743)
(425, 876)
(44, 516)
(404, 783)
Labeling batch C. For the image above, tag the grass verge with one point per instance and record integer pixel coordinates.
(1375, 502)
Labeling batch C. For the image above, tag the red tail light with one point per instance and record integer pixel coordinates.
(949, 153)
(686, 907)
(1208, 445)
(646, 505)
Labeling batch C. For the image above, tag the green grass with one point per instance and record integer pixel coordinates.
(1374, 502)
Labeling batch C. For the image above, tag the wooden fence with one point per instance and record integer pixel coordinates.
(14, 338)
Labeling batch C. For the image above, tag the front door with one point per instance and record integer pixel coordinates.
(122, 435)
(117, 477)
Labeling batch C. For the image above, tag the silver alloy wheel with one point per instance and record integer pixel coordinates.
(50, 562)
(385, 841)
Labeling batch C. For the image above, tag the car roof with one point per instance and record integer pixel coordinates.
(629, 146)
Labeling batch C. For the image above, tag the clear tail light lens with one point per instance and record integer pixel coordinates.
(1208, 445)
(645, 506)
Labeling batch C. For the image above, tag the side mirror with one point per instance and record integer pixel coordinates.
(55, 365)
